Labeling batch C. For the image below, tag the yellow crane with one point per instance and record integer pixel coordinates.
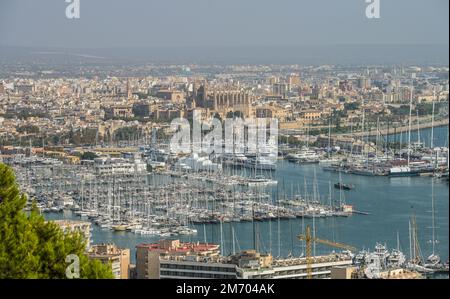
(309, 239)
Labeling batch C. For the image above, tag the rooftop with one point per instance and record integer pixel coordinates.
(175, 246)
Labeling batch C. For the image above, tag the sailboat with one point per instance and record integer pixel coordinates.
(418, 144)
(433, 261)
(406, 171)
(415, 253)
(343, 209)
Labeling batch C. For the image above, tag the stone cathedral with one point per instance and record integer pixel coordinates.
(221, 101)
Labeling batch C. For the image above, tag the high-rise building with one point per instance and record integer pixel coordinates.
(151, 258)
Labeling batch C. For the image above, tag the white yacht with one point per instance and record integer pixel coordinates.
(305, 155)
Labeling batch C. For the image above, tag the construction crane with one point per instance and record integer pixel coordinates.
(309, 239)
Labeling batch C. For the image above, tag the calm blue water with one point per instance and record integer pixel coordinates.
(390, 202)
(440, 136)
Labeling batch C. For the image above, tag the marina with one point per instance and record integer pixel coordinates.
(163, 204)
(390, 201)
(415, 158)
(132, 207)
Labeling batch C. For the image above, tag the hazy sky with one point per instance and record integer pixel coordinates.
(162, 23)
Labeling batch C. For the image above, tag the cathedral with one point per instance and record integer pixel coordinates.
(221, 101)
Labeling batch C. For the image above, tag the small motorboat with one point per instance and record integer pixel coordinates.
(344, 186)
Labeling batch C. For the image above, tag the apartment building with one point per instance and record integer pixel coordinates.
(118, 258)
(170, 259)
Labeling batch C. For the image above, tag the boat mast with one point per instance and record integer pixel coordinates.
(433, 234)
(329, 137)
(409, 128)
(307, 136)
(340, 189)
(329, 194)
(414, 238)
(305, 190)
(279, 240)
(401, 140)
(204, 233)
(221, 237)
(418, 128)
(362, 128)
(432, 122)
(234, 246)
(388, 138)
(314, 212)
(410, 241)
(377, 139)
(351, 134)
(270, 235)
